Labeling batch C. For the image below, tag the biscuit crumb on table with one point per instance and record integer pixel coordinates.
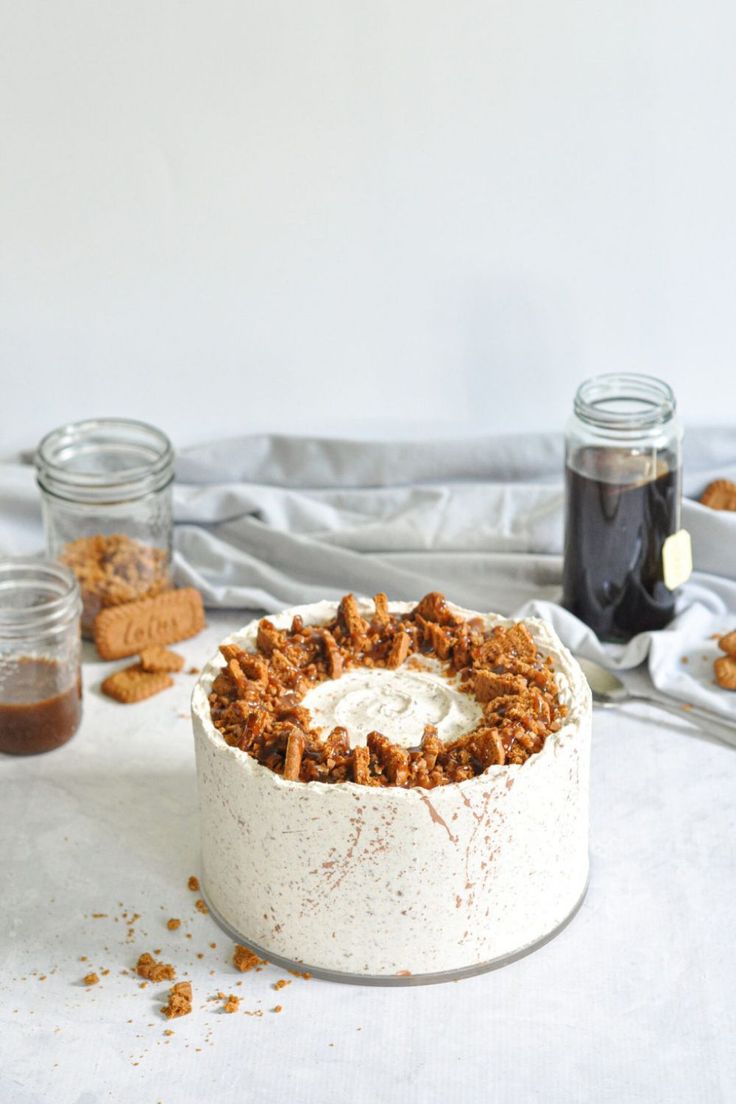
(91, 979)
(147, 967)
(725, 671)
(720, 495)
(725, 667)
(179, 1002)
(134, 684)
(173, 923)
(193, 883)
(244, 959)
(158, 658)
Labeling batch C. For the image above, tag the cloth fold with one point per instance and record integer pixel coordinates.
(265, 522)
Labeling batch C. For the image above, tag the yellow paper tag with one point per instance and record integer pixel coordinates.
(677, 559)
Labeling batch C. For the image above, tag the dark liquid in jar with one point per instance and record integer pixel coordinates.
(35, 715)
(615, 527)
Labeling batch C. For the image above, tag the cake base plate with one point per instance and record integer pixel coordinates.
(390, 979)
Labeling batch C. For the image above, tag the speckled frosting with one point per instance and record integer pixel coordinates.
(391, 882)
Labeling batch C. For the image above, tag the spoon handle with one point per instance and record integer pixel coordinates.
(714, 726)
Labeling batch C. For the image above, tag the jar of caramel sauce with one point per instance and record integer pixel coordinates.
(40, 643)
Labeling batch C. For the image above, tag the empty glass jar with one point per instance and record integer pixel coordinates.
(40, 685)
(106, 490)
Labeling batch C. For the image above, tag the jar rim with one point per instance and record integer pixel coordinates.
(87, 461)
(625, 401)
(51, 613)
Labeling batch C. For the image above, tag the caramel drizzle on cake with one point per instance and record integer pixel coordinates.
(255, 700)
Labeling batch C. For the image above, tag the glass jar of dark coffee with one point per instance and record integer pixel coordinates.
(623, 491)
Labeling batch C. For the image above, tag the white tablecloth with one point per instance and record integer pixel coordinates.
(633, 1002)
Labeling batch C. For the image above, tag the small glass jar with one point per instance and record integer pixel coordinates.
(40, 644)
(623, 497)
(106, 491)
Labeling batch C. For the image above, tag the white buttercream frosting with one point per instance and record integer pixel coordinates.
(386, 881)
(400, 702)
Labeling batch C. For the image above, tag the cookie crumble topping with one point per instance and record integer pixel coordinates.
(256, 699)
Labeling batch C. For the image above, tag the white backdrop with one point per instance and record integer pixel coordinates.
(361, 218)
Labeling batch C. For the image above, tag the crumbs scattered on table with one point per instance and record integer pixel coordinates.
(244, 959)
(173, 923)
(193, 883)
(180, 1000)
(91, 979)
(148, 968)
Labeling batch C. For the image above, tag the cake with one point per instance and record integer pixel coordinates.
(392, 792)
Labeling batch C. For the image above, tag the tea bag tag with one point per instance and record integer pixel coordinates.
(677, 559)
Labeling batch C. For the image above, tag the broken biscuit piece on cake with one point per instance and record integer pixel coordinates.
(399, 650)
(294, 751)
(348, 616)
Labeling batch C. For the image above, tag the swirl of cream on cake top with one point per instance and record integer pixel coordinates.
(457, 697)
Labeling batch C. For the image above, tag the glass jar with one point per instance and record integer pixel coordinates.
(106, 491)
(40, 683)
(623, 496)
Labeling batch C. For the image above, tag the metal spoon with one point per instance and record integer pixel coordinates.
(609, 691)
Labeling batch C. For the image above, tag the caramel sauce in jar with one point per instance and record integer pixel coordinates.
(36, 713)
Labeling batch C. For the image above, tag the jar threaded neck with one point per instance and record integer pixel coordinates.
(104, 461)
(625, 402)
(36, 596)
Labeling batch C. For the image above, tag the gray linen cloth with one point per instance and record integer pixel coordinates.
(264, 522)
